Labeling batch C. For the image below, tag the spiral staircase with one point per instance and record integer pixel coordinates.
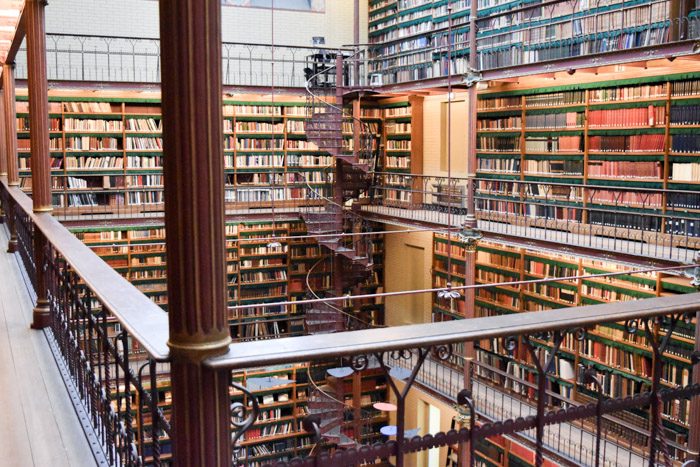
(353, 169)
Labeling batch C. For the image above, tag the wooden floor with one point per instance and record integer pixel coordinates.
(38, 425)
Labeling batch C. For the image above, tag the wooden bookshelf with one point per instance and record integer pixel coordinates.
(622, 360)
(256, 272)
(635, 134)
(277, 433)
(107, 154)
(403, 149)
(409, 38)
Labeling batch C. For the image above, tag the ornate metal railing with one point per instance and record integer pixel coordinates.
(506, 38)
(137, 60)
(630, 220)
(415, 348)
(113, 341)
(129, 203)
(109, 337)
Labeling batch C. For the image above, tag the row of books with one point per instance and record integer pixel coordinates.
(24, 145)
(520, 53)
(625, 169)
(398, 162)
(552, 292)
(554, 144)
(602, 95)
(257, 127)
(555, 120)
(83, 124)
(144, 124)
(687, 172)
(548, 269)
(685, 143)
(252, 143)
(626, 93)
(685, 114)
(23, 124)
(626, 198)
(263, 276)
(254, 195)
(88, 107)
(554, 167)
(643, 116)
(615, 357)
(498, 143)
(144, 143)
(91, 143)
(499, 165)
(629, 143)
(555, 99)
(500, 123)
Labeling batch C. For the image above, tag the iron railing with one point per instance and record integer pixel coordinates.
(534, 33)
(113, 340)
(137, 60)
(636, 221)
(417, 348)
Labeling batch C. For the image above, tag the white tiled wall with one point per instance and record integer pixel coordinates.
(86, 60)
(139, 18)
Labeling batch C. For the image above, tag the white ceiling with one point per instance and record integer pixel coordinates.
(10, 11)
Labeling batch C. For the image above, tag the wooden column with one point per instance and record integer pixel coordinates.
(10, 146)
(417, 137)
(194, 219)
(3, 154)
(10, 122)
(38, 105)
(39, 142)
(3, 146)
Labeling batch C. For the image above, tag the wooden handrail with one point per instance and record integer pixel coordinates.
(145, 321)
(320, 347)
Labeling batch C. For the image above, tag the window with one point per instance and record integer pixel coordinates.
(303, 5)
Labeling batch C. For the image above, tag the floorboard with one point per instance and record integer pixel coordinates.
(38, 425)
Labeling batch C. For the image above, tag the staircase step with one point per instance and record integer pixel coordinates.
(345, 442)
(329, 423)
(315, 312)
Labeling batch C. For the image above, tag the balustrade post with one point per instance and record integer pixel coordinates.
(39, 143)
(10, 148)
(3, 156)
(3, 146)
(194, 220)
(679, 10)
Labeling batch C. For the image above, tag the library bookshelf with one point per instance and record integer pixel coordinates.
(256, 273)
(409, 38)
(403, 150)
(604, 155)
(622, 360)
(107, 155)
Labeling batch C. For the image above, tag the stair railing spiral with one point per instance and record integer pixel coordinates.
(360, 244)
(349, 316)
(365, 151)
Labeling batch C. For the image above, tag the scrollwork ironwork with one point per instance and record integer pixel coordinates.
(442, 352)
(242, 417)
(359, 362)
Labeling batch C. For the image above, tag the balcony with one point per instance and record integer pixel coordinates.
(110, 337)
